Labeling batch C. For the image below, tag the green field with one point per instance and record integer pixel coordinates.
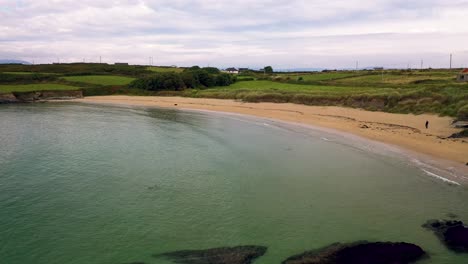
(278, 87)
(321, 76)
(100, 79)
(164, 69)
(29, 73)
(397, 79)
(35, 87)
(398, 91)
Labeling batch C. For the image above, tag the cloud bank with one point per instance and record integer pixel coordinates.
(243, 33)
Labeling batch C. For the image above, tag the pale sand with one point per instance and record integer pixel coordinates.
(404, 130)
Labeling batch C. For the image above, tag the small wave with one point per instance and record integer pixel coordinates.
(440, 177)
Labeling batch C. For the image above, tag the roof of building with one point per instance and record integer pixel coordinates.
(231, 69)
(465, 71)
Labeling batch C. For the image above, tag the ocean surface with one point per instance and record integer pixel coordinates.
(82, 183)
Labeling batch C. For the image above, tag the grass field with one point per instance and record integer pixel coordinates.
(278, 87)
(396, 79)
(164, 69)
(28, 73)
(35, 87)
(321, 76)
(100, 79)
(433, 92)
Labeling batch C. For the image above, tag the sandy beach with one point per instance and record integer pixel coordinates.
(404, 130)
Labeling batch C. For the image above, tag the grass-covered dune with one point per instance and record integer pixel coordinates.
(446, 100)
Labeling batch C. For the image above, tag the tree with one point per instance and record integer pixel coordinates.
(268, 70)
(224, 79)
(211, 70)
(160, 81)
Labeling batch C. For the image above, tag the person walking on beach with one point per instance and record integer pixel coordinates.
(427, 124)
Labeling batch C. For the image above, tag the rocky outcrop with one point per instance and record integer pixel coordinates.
(26, 97)
(362, 253)
(454, 234)
(7, 98)
(224, 255)
(461, 134)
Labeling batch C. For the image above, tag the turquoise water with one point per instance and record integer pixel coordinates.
(102, 184)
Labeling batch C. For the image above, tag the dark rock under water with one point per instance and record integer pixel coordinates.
(223, 255)
(362, 253)
(453, 233)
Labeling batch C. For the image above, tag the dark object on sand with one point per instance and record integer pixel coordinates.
(451, 232)
(362, 253)
(427, 124)
(461, 134)
(224, 255)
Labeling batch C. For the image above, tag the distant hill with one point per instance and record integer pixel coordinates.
(7, 61)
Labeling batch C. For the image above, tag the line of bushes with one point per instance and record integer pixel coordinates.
(194, 77)
(7, 78)
(78, 69)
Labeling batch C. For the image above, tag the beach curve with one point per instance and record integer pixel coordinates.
(406, 131)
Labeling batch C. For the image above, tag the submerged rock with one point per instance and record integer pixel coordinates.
(453, 233)
(452, 215)
(224, 255)
(362, 253)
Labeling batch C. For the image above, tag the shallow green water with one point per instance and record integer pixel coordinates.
(94, 184)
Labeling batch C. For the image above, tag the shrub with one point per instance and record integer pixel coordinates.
(160, 81)
(462, 113)
(224, 79)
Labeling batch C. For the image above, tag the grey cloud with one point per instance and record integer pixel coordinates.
(295, 32)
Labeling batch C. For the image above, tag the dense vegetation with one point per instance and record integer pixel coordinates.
(193, 77)
(77, 69)
(35, 87)
(402, 91)
(100, 79)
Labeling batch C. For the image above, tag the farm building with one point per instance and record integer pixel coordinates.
(232, 70)
(463, 76)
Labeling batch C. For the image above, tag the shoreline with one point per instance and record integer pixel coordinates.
(405, 131)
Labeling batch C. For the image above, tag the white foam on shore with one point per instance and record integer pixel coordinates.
(440, 177)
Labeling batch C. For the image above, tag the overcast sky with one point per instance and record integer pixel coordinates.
(242, 33)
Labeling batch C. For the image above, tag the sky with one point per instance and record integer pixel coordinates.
(240, 33)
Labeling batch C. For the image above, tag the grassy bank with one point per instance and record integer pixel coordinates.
(402, 91)
(35, 87)
(100, 79)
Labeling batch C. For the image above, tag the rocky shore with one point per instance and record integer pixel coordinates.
(29, 97)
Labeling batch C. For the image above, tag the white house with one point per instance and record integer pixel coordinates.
(232, 70)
